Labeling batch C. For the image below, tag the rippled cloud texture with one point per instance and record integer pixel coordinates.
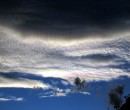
(102, 58)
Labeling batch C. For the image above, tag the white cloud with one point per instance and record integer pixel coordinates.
(21, 83)
(65, 82)
(19, 99)
(62, 59)
(5, 99)
(62, 93)
(58, 92)
(12, 98)
(86, 93)
(54, 95)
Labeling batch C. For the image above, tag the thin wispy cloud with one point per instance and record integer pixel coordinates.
(55, 92)
(12, 98)
(58, 92)
(54, 95)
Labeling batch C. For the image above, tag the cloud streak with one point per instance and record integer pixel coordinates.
(58, 92)
(7, 81)
(11, 99)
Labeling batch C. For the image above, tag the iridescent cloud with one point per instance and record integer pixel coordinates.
(91, 59)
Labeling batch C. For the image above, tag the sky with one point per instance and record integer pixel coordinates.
(46, 44)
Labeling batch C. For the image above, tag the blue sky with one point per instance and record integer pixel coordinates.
(33, 98)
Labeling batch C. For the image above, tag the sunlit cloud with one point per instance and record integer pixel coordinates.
(92, 60)
(21, 83)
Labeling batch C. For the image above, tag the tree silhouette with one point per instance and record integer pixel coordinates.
(80, 84)
(77, 81)
(115, 96)
(126, 105)
(115, 100)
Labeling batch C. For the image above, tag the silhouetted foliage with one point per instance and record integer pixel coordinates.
(80, 84)
(126, 97)
(126, 105)
(115, 98)
(119, 89)
(77, 81)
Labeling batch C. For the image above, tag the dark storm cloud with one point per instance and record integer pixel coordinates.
(64, 17)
